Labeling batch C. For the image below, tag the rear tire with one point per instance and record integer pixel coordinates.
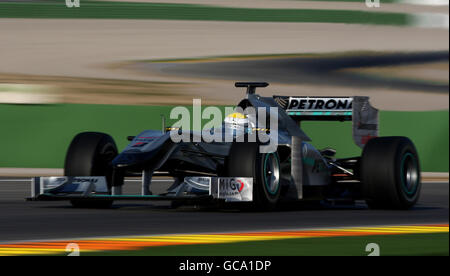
(390, 173)
(90, 154)
(245, 160)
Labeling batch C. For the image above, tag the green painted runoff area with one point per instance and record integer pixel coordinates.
(390, 245)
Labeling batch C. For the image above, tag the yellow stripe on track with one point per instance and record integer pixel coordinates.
(139, 242)
(404, 229)
(194, 239)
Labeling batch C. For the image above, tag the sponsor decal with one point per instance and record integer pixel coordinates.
(282, 101)
(241, 186)
(143, 140)
(85, 180)
(305, 104)
(230, 187)
(198, 182)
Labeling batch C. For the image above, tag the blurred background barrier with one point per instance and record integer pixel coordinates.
(13, 93)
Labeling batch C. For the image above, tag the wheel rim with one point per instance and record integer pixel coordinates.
(272, 173)
(409, 174)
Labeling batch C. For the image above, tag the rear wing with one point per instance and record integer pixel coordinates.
(357, 109)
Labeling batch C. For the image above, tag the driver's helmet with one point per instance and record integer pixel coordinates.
(239, 122)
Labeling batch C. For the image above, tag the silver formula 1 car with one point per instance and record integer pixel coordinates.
(238, 171)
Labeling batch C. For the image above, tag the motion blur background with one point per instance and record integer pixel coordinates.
(116, 66)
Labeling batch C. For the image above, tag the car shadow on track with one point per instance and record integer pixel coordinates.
(282, 208)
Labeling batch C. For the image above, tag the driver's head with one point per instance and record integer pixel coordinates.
(236, 121)
(236, 118)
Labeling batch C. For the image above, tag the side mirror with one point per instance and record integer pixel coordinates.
(328, 152)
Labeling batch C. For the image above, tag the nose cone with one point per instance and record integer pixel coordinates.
(142, 149)
(134, 159)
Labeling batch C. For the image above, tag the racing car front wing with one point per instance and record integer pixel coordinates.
(227, 189)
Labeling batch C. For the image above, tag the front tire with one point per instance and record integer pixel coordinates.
(245, 160)
(390, 173)
(90, 154)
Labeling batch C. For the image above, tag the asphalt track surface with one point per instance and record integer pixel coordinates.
(306, 70)
(21, 220)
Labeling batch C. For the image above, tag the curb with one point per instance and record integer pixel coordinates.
(21, 172)
(435, 176)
